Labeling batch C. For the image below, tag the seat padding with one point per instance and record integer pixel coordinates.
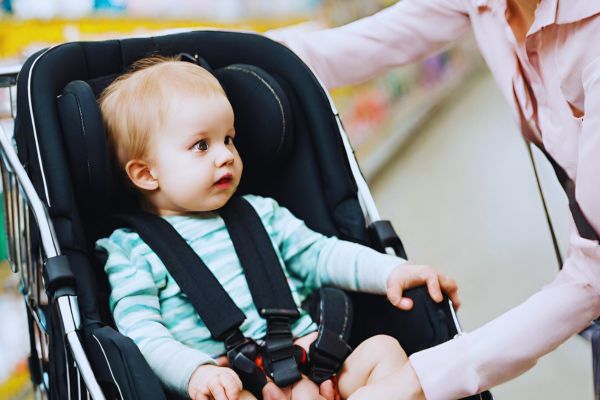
(263, 116)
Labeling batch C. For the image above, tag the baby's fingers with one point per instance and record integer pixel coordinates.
(450, 287)
(217, 391)
(395, 293)
(232, 385)
(433, 286)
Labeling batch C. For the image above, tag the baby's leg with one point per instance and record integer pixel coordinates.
(373, 359)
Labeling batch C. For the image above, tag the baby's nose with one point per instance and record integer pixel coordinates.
(225, 156)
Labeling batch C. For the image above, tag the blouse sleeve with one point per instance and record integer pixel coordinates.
(513, 342)
(405, 32)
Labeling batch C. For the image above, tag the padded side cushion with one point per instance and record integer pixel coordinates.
(263, 115)
(86, 147)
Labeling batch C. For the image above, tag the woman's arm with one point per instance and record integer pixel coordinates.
(512, 343)
(397, 35)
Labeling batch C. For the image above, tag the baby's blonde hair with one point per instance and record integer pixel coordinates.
(137, 102)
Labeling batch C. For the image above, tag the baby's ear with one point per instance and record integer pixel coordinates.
(139, 173)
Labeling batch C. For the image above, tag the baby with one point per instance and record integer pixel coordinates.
(171, 128)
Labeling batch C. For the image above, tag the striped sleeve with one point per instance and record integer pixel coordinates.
(134, 303)
(319, 261)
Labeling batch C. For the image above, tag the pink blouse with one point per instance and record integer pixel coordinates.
(552, 82)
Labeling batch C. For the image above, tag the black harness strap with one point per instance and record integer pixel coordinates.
(583, 226)
(268, 286)
(218, 311)
(267, 282)
(270, 291)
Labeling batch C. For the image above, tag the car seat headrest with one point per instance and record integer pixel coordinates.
(96, 190)
(263, 121)
(263, 115)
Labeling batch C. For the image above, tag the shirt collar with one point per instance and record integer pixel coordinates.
(554, 11)
(562, 12)
(573, 11)
(545, 15)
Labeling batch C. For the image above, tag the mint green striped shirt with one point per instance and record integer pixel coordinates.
(150, 308)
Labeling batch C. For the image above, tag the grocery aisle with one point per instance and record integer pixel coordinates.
(463, 198)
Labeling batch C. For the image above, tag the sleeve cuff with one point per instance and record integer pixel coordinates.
(377, 282)
(435, 365)
(178, 379)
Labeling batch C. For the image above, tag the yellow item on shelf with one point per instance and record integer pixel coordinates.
(16, 384)
(19, 38)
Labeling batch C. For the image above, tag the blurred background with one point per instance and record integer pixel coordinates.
(435, 140)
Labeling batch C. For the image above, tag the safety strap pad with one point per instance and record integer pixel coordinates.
(329, 351)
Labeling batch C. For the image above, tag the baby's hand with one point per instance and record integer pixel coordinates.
(211, 382)
(407, 276)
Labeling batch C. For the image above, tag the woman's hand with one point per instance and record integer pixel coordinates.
(407, 276)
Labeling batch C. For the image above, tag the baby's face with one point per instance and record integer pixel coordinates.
(193, 156)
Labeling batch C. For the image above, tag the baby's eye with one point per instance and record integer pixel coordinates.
(201, 145)
(228, 140)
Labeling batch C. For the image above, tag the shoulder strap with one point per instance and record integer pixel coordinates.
(583, 226)
(268, 284)
(211, 302)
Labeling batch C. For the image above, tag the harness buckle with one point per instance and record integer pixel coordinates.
(281, 358)
(241, 354)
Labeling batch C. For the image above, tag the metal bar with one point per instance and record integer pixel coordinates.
(69, 311)
(67, 305)
(8, 221)
(49, 243)
(364, 194)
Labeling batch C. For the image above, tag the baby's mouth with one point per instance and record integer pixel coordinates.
(225, 181)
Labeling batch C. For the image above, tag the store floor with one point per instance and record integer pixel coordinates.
(462, 196)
